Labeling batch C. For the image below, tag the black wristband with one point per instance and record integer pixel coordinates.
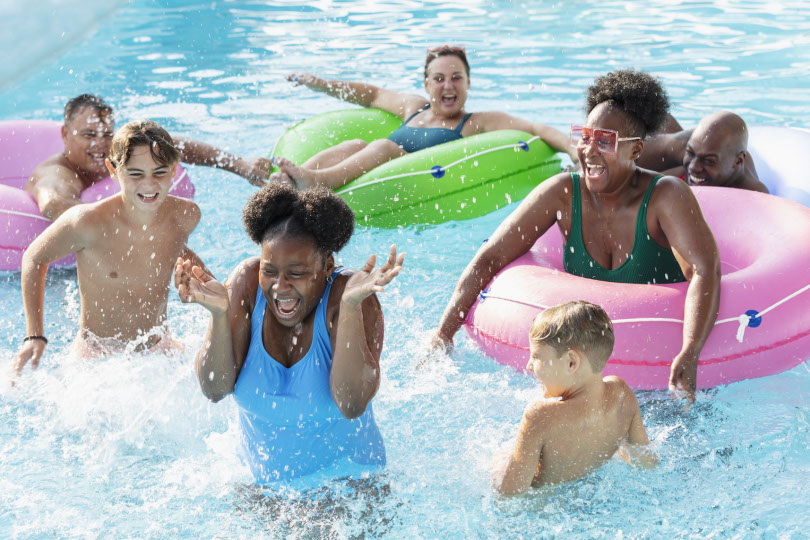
(29, 338)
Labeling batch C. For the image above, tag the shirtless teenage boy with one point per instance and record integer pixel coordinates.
(125, 248)
(715, 153)
(57, 182)
(560, 441)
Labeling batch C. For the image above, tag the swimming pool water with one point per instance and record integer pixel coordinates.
(129, 446)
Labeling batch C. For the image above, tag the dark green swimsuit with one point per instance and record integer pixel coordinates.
(648, 262)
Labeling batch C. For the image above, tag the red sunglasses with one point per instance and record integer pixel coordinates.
(607, 140)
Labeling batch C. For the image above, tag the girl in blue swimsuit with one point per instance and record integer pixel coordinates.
(427, 122)
(296, 340)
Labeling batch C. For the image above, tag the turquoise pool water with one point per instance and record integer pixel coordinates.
(129, 446)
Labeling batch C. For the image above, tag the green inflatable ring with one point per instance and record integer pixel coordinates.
(458, 180)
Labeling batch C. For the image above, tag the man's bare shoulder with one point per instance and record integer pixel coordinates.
(752, 183)
(54, 172)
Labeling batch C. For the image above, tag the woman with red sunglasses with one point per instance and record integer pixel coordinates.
(620, 223)
(427, 122)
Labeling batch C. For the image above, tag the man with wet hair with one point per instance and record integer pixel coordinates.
(88, 128)
(715, 153)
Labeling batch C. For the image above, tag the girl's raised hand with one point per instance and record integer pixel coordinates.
(369, 280)
(195, 285)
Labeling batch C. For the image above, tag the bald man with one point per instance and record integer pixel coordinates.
(715, 153)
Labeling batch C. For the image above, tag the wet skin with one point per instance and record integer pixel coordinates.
(291, 274)
(550, 446)
(446, 84)
(125, 248)
(58, 182)
(713, 154)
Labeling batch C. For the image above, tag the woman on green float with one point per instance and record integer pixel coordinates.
(427, 122)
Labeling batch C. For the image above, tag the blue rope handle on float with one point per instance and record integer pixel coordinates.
(437, 171)
(751, 318)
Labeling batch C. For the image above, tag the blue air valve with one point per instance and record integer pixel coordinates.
(750, 318)
(483, 294)
(754, 318)
(437, 171)
(523, 145)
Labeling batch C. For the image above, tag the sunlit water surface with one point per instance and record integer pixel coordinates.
(129, 447)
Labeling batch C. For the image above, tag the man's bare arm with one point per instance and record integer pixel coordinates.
(55, 188)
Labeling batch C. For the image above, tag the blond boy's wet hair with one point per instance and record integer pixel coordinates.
(143, 132)
(576, 325)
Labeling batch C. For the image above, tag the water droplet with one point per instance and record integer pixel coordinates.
(559, 215)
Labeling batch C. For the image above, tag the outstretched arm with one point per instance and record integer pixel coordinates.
(696, 251)
(664, 151)
(223, 352)
(254, 170)
(556, 139)
(363, 94)
(355, 374)
(68, 234)
(514, 237)
(55, 188)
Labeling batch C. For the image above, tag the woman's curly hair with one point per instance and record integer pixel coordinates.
(637, 93)
(316, 212)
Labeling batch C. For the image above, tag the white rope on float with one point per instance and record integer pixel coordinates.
(443, 168)
(742, 320)
(23, 214)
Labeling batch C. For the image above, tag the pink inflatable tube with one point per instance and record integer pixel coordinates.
(764, 322)
(25, 144)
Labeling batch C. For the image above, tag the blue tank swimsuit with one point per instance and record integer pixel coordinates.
(412, 139)
(289, 425)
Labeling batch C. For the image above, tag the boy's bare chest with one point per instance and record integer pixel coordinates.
(132, 259)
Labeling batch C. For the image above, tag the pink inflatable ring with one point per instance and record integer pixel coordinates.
(24, 144)
(763, 326)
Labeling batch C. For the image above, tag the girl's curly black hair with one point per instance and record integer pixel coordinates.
(316, 212)
(640, 95)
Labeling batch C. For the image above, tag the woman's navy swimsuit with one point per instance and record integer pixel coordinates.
(289, 424)
(412, 139)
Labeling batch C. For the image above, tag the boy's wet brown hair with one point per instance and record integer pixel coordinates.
(143, 132)
(576, 325)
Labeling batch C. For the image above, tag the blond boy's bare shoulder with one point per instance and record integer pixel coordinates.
(544, 412)
(616, 384)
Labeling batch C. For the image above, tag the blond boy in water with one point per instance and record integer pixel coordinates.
(562, 440)
(125, 246)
